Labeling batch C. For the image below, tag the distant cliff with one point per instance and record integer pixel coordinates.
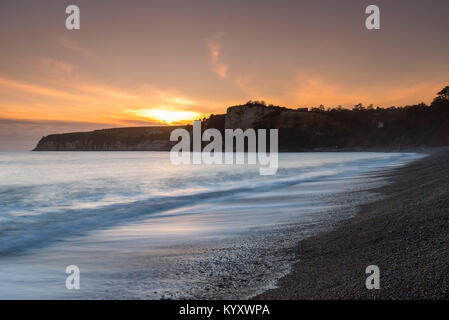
(118, 139)
(362, 128)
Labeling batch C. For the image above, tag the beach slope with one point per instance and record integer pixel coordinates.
(406, 234)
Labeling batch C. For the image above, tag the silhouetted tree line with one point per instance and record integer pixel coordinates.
(360, 127)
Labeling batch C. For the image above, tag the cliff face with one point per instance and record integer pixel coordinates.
(341, 129)
(119, 139)
(244, 117)
(257, 115)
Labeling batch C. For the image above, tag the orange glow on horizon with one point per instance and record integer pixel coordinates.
(167, 116)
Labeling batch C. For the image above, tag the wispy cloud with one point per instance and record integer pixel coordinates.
(57, 66)
(165, 98)
(75, 46)
(91, 91)
(37, 89)
(178, 100)
(107, 92)
(215, 48)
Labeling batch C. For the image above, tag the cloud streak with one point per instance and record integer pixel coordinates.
(218, 66)
(36, 89)
(57, 66)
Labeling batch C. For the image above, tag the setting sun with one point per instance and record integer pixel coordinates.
(166, 116)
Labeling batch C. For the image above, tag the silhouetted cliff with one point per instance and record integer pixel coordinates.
(360, 128)
(118, 139)
(299, 129)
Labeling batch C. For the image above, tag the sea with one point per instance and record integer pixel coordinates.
(137, 226)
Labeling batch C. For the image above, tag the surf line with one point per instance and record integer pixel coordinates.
(212, 152)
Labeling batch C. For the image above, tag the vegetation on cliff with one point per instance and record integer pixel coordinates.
(362, 127)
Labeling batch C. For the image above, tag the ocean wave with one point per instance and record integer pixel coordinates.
(35, 216)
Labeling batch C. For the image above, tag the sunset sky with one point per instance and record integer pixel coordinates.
(137, 63)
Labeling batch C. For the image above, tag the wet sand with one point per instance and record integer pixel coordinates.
(406, 234)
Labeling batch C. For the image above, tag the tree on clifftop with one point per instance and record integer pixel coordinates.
(444, 93)
(442, 96)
